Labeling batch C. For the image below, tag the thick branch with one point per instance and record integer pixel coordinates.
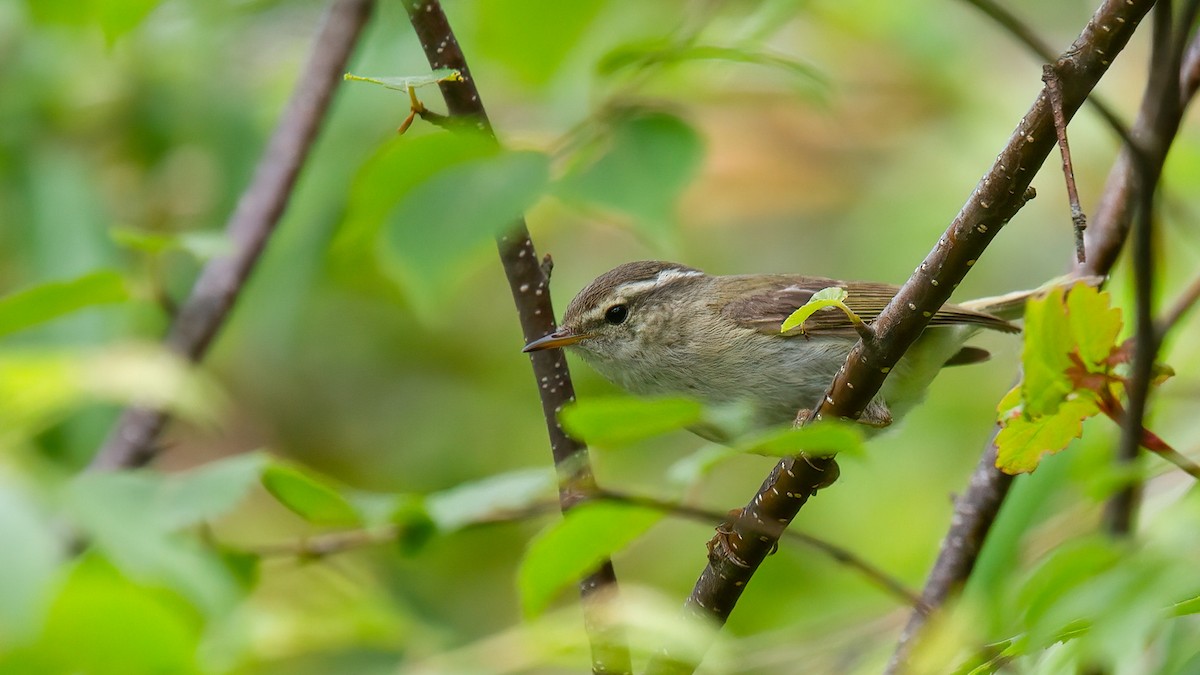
(1104, 240)
(528, 279)
(997, 197)
(132, 442)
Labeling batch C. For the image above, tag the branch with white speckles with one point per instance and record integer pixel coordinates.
(997, 197)
(536, 313)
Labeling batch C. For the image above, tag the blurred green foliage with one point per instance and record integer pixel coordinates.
(376, 345)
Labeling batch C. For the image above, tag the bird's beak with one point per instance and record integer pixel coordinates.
(560, 338)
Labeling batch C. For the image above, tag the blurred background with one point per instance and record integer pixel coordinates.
(828, 138)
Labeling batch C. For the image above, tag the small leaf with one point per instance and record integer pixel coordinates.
(1046, 358)
(1023, 442)
(308, 497)
(574, 547)
(1095, 324)
(640, 168)
(491, 497)
(624, 419)
(406, 83)
(452, 216)
(200, 245)
(411, 514)
(819, 439)
(51, 300)
(826, 297)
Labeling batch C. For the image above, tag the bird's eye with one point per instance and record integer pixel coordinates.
(616, 314)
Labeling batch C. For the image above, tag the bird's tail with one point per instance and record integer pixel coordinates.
(1012, 305)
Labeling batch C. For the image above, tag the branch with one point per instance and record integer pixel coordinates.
(528, 279)
(996, 198)
(1158, 123)
(1040, 48)
(133, 442)
(1104, 239)
(331, 543)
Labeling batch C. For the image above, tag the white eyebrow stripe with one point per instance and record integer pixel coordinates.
(625, 291)
(664, 277)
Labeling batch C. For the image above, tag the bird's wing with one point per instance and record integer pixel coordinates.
(764, 305)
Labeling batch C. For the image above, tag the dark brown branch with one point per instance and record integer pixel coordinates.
(999, 195)
(989, 485)
(133, 441)
(528, 280)
(1162, 112)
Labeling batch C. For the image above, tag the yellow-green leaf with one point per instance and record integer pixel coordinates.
(622, 419)
(1046, 355)
(308, 497)
(826, 297)
(1095, 324)
(51, 300)
(819, 439)
(1023, 442)
(408, 82)
(574, 547)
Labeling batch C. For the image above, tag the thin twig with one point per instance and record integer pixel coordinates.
(133, 441)
(840, 554)
(1040, 48)
(528, 280)
(1078, 220)
(1164, 113)
(1104, 239)
(331, 543)
(1182, 306)
(996, 199)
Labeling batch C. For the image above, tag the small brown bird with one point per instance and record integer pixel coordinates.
(661, 328)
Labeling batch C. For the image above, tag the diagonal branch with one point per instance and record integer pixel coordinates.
(976, 510)
(528, 279)
(996, 198)
(132, 442)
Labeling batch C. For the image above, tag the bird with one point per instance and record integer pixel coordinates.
(658, 328)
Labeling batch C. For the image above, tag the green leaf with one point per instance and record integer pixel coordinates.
(114, 625)
(309, 497)
(819, 439)
(51, 300)
(406, 83)
(826, 297)
(491, 497)
(623, 419)
(1023, 441)
(1095, 324)
(134, 518)
(118, 17)
(30, 556)
(207, 492)
(506, 34)
(38, 386)
(410, 513)
(640, 168)
(1046, 355)
(389, 175)
(200, 245)
(574, 547)
(454, 215)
